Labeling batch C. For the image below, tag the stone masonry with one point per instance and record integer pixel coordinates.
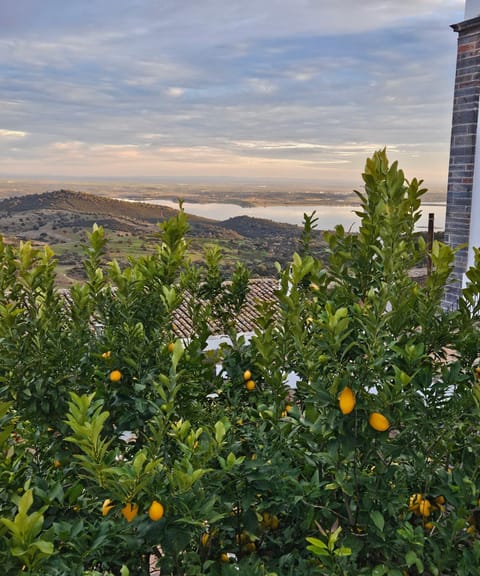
(462, 150)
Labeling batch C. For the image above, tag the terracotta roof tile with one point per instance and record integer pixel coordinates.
(260, 290)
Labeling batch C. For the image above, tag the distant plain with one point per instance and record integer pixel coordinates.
(243, 194)
(61, 214)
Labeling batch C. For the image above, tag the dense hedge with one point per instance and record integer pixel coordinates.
(123, 447)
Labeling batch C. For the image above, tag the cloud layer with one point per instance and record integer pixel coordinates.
(295, 89)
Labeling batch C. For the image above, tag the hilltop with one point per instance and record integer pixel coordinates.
(61, 219)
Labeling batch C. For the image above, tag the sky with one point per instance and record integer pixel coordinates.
(225, 90)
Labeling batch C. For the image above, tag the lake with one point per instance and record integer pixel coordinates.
(328, 215)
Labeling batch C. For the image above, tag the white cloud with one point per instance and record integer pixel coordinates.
(211, 84)
(262, 86)
(4, 133)
(175, 91)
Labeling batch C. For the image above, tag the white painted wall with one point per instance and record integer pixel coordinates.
(472, 9)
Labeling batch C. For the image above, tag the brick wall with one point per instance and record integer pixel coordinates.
(462, 150)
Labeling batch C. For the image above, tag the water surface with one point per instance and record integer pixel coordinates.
(328, 215)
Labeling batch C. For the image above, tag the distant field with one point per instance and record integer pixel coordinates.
(235, 193)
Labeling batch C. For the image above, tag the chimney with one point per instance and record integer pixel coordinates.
(463, 194)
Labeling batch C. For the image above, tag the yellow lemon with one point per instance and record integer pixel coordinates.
(156, 510)
(378, 422)
(242, 538)
(266, 520)
(171, 347)
(247, 375)
(115, 376)
(204, 538)
(414, 502)
(130, 511)
(346, 400)
(424, 507)
(250, 385)
(107, 506)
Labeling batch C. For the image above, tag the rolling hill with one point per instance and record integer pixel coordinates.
(61, 219)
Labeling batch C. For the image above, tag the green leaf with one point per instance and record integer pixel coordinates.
(220, 432)
(316, 542)
(343, 551)
(410, 558)
(44, 547)
(378, 519)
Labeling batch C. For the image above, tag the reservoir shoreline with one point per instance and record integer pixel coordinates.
(328, 214)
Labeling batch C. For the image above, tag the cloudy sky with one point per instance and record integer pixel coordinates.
(225, 89)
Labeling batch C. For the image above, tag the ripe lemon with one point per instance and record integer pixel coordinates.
(204, 538)
(115, 376)
(247, 375)
(414, 502)
(378, 422)
(242, 538)
(171, 347)
(107, 506)
(250, 385)
(346, 400)
(424, 508)
(156, 510)
(130, 511)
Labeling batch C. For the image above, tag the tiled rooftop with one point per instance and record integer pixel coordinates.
(260, 290)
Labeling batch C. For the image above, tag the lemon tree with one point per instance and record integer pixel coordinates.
(123, 447)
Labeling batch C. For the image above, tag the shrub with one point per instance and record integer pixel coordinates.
(124, 447)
